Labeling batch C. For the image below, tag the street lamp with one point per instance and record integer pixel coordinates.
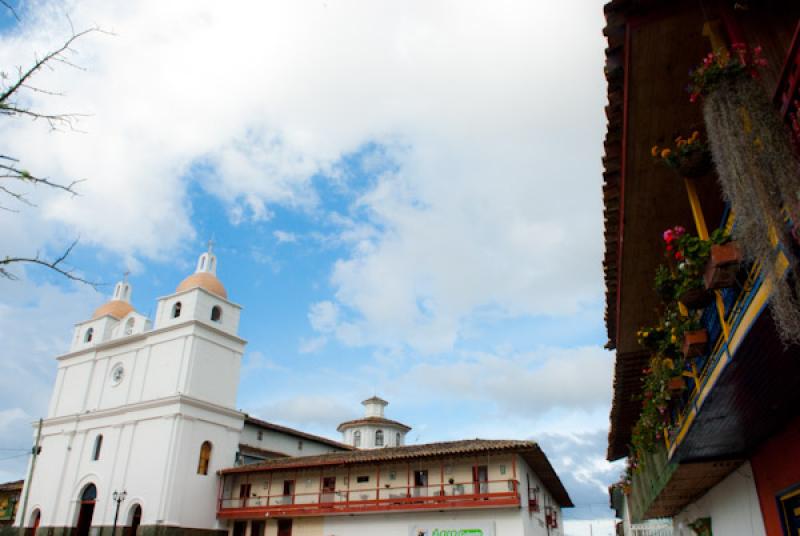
(117, 497)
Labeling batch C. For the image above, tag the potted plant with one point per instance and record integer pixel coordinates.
(758, 173)
(691, 254)
(676, 384)
(695, 343)
(689, 157)
(723, 265)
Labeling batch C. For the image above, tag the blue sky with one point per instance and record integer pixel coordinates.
(405, 199)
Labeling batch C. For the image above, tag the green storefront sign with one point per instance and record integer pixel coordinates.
(479, 529)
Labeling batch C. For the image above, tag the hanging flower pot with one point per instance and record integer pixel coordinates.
(676, 384)
(696, 164)
(723, 266)
(690, 157)
(695, 343)
(695, 298)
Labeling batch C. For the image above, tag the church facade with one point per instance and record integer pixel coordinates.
(142, 434)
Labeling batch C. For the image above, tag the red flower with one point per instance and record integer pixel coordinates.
(678, 256)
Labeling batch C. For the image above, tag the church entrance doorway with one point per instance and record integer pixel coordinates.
(284, 527)
(86, 512)
(135, 520)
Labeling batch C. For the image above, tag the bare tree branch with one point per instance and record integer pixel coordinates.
(10, 170)
(56, 265)
(10, 8)
(55, 55)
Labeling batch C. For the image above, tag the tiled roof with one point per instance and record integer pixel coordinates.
(15, 485)
(529, 450)
(372, 420)
(291, 431)
(248, 449)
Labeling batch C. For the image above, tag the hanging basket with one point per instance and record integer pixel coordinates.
(695, 164)
(723, 266)
(695, 343)
(760, 178)
(695, 298)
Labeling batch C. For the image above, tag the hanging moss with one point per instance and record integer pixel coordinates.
(759, 176)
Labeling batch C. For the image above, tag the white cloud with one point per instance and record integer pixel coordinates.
(323, 316)
(303, 411)
(526, 383)
(494, 131)
(284, 237)
(312, 345)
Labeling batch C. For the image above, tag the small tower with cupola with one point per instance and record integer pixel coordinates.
(200, 297)
(114, 319)
(373, 430)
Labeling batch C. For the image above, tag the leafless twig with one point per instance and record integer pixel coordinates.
(10, 8)
(56, 265)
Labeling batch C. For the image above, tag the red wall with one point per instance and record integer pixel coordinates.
(776, 466)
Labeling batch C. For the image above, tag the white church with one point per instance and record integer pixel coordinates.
(142, 434)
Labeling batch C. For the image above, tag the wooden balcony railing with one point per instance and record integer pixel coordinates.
(491, 493)
(648, 482)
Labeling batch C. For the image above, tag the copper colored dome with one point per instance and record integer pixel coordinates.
(115, 308)
(203, 280)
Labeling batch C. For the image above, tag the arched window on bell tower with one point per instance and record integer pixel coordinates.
(205, 458)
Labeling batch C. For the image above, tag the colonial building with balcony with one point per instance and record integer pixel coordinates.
(701, 264)
(142, 434)
(488, 487)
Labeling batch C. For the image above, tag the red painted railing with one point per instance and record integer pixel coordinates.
(346, 501)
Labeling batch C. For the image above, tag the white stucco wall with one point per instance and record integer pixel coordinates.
(185, 358)
(285, 443)
(150, 450)
(196, 304)
(732, 506)
(368, 435)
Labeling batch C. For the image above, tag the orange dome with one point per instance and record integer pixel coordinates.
(115, 308)
(203, 280)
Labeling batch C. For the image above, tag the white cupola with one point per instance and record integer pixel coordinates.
(373, 430)
(201, 296)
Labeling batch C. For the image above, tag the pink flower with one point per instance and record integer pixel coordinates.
(668, 236)
(679, 231)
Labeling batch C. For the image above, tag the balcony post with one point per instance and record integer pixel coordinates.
(441, 476)
(269, 489)
(702, 233)
(514, 467)
(378, 483)
(220, 491)
(347, 494)
(408, 479)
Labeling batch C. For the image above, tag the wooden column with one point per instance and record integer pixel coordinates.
(378, 483)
